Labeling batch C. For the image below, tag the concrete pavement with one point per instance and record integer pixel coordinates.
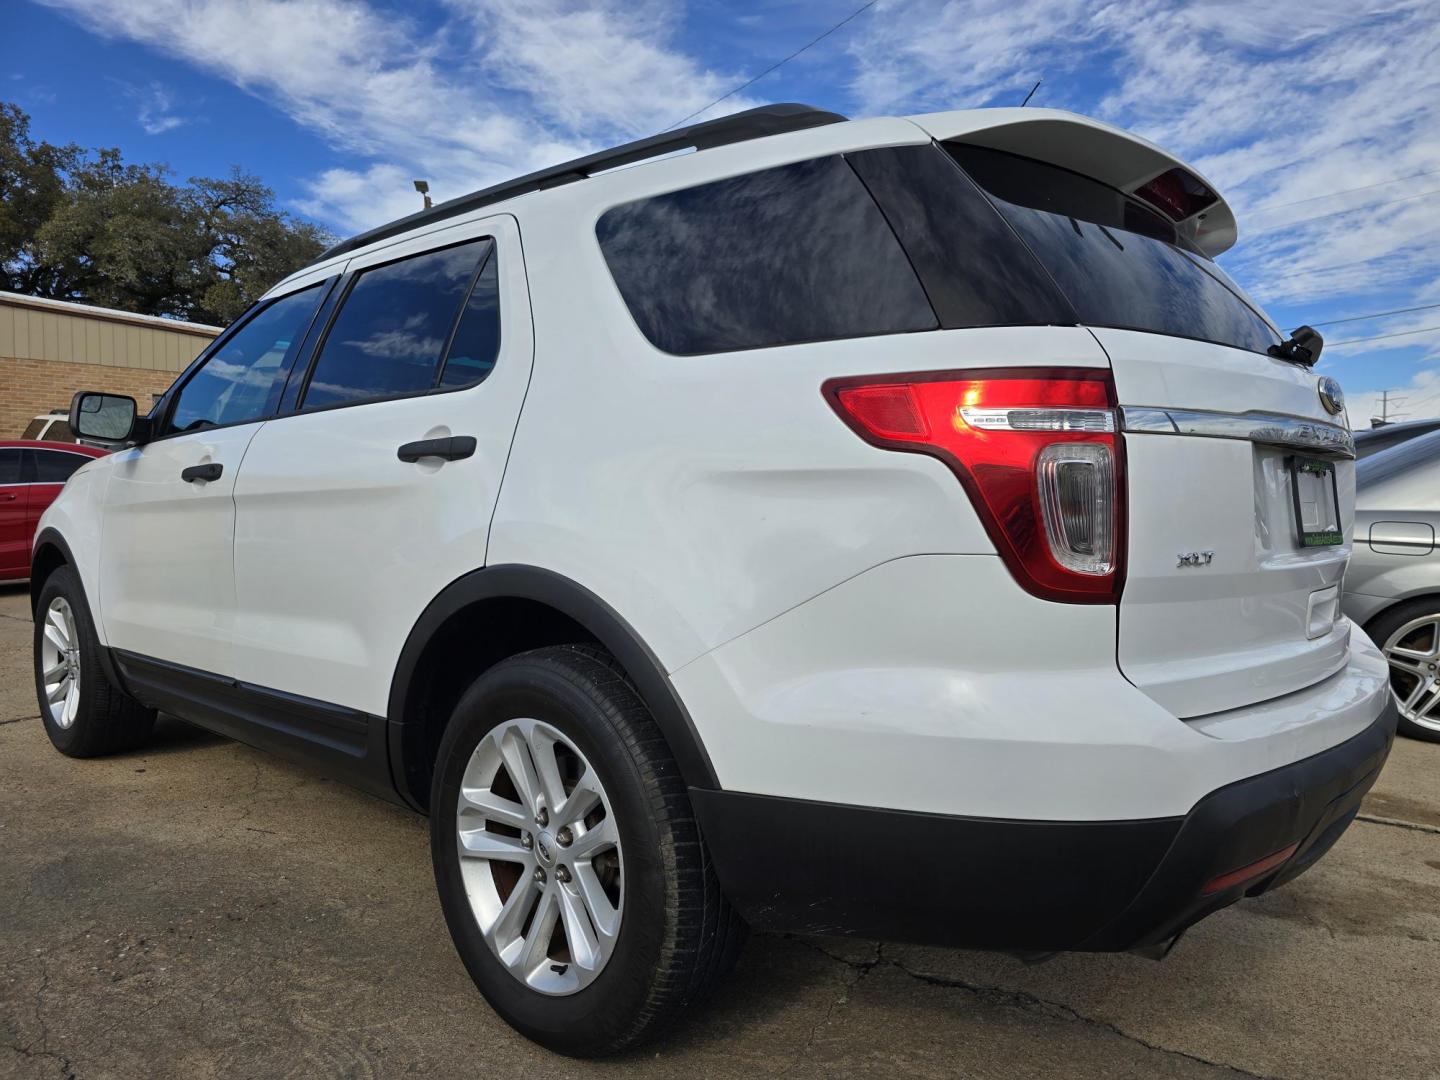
(200, 909)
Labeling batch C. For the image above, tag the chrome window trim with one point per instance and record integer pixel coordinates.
(1269, 429)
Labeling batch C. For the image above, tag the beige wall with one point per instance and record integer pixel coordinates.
(48, 350)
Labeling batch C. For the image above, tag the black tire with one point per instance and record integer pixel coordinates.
(107, 720)
(678, 936)
(1384, 625)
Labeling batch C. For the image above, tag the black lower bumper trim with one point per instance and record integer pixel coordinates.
(825, 868)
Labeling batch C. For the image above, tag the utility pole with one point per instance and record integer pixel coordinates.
(1387, 415)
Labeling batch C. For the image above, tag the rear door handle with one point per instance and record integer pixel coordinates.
(211, 471)
(451, 449)
(8, 496)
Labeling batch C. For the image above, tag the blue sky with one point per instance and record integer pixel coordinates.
(1318, 119)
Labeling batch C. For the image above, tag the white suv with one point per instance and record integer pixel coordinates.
(897, 527)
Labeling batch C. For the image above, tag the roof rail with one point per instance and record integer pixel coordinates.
(738, 127)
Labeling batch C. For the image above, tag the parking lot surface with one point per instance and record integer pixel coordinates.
(201, 909)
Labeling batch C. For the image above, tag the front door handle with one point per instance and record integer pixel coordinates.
(451, 449)
(211, 471)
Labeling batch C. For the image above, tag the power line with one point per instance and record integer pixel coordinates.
(776, 66)
(1351, 210)
(1382, 337)
(1377, 315)
(1346, 191)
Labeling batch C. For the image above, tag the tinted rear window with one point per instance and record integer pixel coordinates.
(33, 429)
(975, 270)
(791, 254)
(55, 466)
(1118, 263)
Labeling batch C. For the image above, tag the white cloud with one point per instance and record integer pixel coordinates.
(1420, 400)
(154, 106)
(501, 90)
(1275, 102)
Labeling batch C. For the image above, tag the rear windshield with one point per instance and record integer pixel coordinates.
(1402, 476)
(1118, 262)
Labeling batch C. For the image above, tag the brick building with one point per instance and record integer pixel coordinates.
(49, 349)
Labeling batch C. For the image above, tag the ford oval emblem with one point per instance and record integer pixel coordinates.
(1331, 396)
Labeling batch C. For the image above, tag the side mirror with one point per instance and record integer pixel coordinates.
(107, 419)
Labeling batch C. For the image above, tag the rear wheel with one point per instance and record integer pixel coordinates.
(84, 714)
(1409, 636)
(570, 869)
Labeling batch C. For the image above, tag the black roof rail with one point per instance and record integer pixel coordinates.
(738, 127)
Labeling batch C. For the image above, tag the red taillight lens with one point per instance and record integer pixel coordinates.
(1035, 449)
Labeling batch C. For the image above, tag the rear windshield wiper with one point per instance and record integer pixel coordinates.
(1302, 347)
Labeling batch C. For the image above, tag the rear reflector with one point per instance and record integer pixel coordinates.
(1035, 449)
(1248, 873)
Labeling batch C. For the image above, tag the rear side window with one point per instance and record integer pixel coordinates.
(791, 254)
(393, 327)
(55, 466)
(33, 429)
(1118, 262)
(10, 466)
(60, 432)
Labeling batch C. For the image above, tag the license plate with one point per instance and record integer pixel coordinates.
(1317, 502)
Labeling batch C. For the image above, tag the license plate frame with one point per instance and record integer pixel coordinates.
(1316, 496)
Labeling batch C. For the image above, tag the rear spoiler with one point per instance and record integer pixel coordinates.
(1128, 162)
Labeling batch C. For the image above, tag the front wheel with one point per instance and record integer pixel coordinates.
(570, 869)
(1409, 636)
(84, 714)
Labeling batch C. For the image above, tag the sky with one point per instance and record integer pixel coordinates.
(1319, 120)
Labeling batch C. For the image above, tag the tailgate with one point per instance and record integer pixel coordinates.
(1223, 605)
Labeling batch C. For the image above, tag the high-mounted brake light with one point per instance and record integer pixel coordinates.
(1176, 192)
(1035, 449)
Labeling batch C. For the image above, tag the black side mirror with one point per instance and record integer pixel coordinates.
(109, 420)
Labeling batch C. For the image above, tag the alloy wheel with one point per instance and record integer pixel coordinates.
(540, 856)
(1413, 652)
(60, 662)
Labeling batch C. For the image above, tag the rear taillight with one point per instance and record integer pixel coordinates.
(1035, 449)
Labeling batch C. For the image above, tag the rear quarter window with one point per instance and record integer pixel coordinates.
(786, 255)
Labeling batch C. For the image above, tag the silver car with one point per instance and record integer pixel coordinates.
(1392, 587)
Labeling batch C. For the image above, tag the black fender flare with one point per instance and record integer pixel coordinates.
(521, 582)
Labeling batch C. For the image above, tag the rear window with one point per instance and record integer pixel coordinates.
(56, 466)
(785, 255)
(33, 429)
(1403, 476)
(1118, 262)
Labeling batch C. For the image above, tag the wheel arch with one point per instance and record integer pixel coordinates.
(532, 607)
(49, 553)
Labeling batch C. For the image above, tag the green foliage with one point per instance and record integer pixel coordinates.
(84, 225)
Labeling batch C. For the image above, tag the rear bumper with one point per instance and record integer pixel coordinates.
(824, 868)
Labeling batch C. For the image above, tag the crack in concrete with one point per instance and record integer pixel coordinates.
(862, 968)
(1026, 1002)
(40, 1048)
(17, 719)
(1394, 823)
